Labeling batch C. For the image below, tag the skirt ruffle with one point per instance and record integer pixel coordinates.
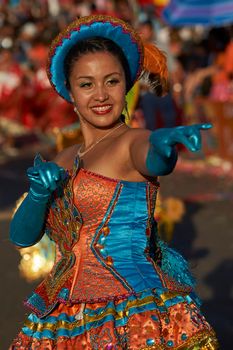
(151, 321)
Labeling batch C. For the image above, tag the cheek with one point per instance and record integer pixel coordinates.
(121, 93)
(79, 97)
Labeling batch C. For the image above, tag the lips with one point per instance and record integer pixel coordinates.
(103, 109)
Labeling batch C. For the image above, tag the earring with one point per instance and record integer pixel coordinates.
(76, 111)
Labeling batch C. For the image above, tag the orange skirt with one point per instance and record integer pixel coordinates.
(169, 322)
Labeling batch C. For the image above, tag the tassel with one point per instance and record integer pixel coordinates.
(175, 266)
(79, 315)
(155, 72)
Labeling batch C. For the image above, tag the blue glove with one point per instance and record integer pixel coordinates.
(44, 178)
(26, 227)
(162, 155)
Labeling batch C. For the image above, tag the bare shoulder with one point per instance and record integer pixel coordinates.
(65, 158)
(134, 134)
(131, 154)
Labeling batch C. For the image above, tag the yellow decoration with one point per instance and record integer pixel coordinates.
(67, 136)
(37, 260)
(132, 99)
(161, 2)
(168, 212)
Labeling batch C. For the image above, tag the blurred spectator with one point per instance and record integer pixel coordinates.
(197, 65)
(222, 79)
(11, 76)
(209, 67)
(157, 111)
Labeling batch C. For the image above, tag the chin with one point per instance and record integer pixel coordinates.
(104, 122)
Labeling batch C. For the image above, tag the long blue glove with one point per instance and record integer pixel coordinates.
(27, 223)
(162, 155)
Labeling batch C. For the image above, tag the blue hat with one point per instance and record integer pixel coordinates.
(103, 26)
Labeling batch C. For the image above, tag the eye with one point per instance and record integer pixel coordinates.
(113, 82)
(85, 85)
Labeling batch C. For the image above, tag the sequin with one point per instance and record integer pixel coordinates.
(150, 341)
(170, 343)
(184, 336)
(105, 230)
(99, 246)
(154, 318)
(103, 251)
(109, 261)
(102, 240)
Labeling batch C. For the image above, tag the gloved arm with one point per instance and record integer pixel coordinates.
(162, 155)
(28, 221)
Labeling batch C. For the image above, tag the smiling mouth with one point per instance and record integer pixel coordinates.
(102, 109)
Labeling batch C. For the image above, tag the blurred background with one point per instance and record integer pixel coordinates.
(194, 208)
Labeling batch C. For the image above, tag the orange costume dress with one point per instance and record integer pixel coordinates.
(114, 284)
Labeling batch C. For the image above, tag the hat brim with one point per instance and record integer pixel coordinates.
(87, 27)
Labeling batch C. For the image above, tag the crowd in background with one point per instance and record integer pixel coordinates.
(200, 63)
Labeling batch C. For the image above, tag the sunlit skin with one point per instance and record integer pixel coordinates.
(98, 88)
(98, 91)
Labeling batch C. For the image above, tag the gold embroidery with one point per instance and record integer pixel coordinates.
(110, 311)
(205, 340)
(64, 224)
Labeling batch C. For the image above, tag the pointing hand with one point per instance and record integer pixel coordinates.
(164, 139)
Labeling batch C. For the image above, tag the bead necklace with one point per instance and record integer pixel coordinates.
(80, 154)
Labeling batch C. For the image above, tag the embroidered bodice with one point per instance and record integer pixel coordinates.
(104, 231)
(113, 240)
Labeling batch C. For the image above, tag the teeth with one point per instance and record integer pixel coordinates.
(101, 108)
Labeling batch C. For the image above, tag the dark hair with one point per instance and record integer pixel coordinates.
(148, 22)
(93, 45)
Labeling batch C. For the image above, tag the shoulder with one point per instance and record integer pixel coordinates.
(132, 135)
(65, 158)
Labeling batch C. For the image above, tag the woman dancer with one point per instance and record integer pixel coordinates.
(114, 284)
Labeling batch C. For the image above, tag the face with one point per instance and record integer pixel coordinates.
(98, 88)
(146, 32)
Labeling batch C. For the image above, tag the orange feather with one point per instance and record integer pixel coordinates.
(155, 62)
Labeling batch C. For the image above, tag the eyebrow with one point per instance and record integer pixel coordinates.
(91, 77)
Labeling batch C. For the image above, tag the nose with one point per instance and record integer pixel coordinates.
(101, 94)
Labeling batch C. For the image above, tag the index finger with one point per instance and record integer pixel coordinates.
(204, 126)
(38, 160)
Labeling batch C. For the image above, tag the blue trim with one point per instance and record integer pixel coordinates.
(63, 294)
(37, 303)
(103, 255)
(151, 306)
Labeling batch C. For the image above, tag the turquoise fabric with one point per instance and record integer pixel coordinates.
(175, 265)
(126, 242)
